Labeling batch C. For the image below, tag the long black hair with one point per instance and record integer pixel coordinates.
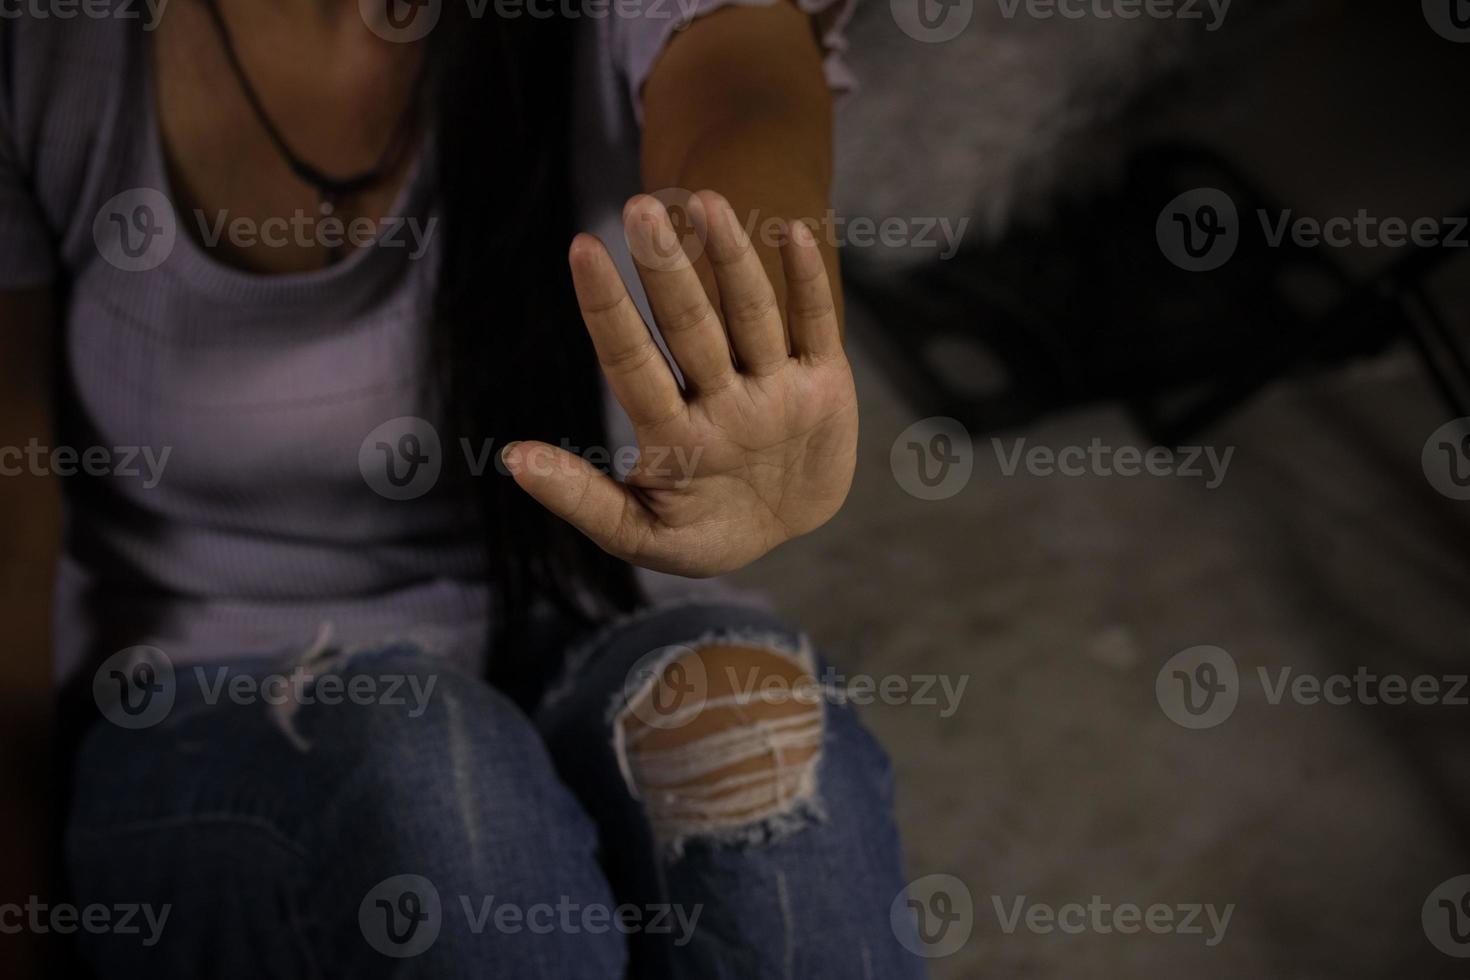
(511, 353)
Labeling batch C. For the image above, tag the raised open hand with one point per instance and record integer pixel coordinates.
(757, 448)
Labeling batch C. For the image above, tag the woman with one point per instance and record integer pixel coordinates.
(307, 259)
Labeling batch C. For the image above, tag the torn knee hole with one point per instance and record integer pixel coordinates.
(723, 737)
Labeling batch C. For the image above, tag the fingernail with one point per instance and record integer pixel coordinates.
(732, 221)
(661, 233)
(510, 464)
(802, 233)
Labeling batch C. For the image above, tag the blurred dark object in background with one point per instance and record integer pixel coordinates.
(1094, 305)
(1066, 138)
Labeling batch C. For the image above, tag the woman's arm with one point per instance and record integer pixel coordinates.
(29, 543)
(738, 103)
(756, 442)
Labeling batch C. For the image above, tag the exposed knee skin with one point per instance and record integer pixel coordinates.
(745, 749)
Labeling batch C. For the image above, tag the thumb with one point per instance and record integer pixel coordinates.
(580, 494)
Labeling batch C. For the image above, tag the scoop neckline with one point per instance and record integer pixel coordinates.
(194, 262)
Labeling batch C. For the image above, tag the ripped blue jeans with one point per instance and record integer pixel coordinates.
(385, 815)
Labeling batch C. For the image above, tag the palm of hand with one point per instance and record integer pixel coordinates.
(742, 458)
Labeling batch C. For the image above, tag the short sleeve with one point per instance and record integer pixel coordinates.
(27, 245)
(638, 40)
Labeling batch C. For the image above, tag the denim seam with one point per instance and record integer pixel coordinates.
(264, 827)
(306, 948)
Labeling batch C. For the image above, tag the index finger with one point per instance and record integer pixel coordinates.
(635, 368)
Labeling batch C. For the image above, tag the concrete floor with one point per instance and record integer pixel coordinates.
(1324, 549)
(1061, 777)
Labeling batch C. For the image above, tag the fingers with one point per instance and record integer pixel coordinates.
(752, 315)
(580, 494)
(635, 368)
(681, 307)
(810, 310)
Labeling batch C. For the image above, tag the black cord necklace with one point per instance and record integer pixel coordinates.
(331, 190)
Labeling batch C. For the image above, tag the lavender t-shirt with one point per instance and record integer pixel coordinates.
(250, 459)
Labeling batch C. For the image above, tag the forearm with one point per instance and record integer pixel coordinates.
(761, 136)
